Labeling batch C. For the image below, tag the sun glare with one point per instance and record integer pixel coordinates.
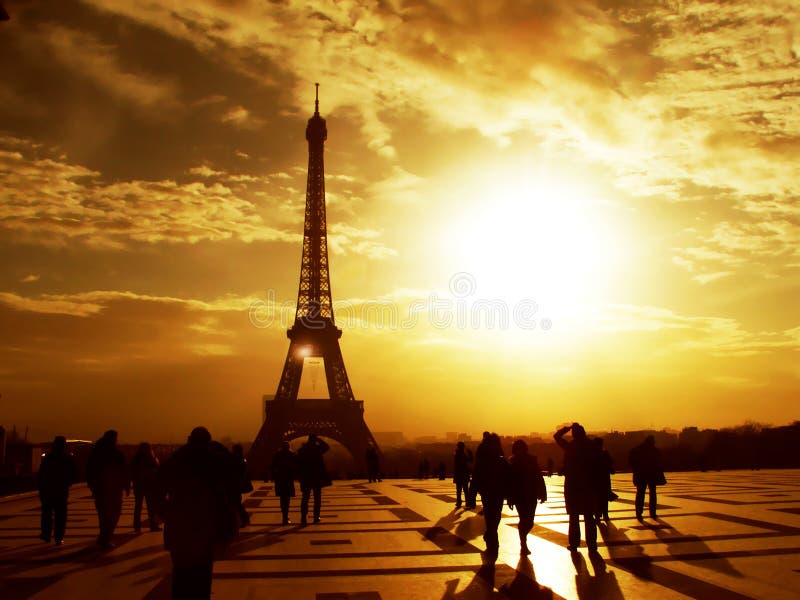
(536, 236)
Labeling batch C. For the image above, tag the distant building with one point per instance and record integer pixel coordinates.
(426, 439)
(451, 436)
(390, 439)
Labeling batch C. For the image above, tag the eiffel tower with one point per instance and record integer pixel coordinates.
(314, 334)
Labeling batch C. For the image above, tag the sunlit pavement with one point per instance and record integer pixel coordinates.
(728, 535)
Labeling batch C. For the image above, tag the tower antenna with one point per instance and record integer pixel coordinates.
(316, 100)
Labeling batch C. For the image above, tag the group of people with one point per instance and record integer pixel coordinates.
(517, 481)
(587, 482)
(196, 493)
(307, 465)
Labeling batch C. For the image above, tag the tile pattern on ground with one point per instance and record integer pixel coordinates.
(727, 535)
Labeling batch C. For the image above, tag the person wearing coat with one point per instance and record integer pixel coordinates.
(144, 475)
(525, 488)
(283, 470)
(491, 477)
(107, 476)
(579, 485)
(603, 470)
(198, 510)
(56, 473)
(645, 462)
(312, 474)
(461, 472)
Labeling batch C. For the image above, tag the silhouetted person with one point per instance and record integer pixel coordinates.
(283, 470)
(549, 467)
(196, 484)
(441, 471)
(526, 486)
(579, 489)
(604, 467)
(144, 475)
(312, 474)
(461, 472)
(107, 477)
(243, 483)
(492, 478)
(424, 468)
(56, 473)
(645, 462)
(472, 496)
(373, 463)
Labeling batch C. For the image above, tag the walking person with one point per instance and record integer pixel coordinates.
(483, 447)
(373, 463)
(144, 475)
(107, 477)
(283, 471)
(604, 467)
(526, 486)
(197, 512)
(645, 462)
(579, 491)
(312, 474)
(243, 483)
(491, 475)
(462, 472)
(56, 473)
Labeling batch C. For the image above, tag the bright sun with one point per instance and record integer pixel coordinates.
(536, 236)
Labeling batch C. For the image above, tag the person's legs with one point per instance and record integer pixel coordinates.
(115, 510)
(317, 503)
(653, 504)
(60, 510)
(574, 532)
(100, 504)
(47, 516)
(459, 487)
(306, 493)
(152, 514)
(285, 508)
(639, 503)
(525, 525)
(591, 531)
(492, 508)
(138, 498)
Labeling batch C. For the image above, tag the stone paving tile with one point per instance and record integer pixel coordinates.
(728, 536)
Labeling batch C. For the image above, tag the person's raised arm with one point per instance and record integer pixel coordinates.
(559, 436)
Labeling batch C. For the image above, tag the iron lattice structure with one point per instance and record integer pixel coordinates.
(313, 334)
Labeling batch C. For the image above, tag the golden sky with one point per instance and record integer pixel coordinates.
(538, 211)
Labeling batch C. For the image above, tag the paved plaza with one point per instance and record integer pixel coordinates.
(723, 536)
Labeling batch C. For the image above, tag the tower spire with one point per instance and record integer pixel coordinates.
(316, 99)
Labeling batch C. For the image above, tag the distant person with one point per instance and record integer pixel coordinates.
(526, 486)
(645, 462)
(604, 467)
(579, 489)
(549, 467)
(243, 483)
(107, 477)
(373, 463)
(424, 468)
(441, 471)
(492, 477)
(283, 470)
(56, 473)
(197, 512)
(144, 475)
(312, 474)
(462, 470)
